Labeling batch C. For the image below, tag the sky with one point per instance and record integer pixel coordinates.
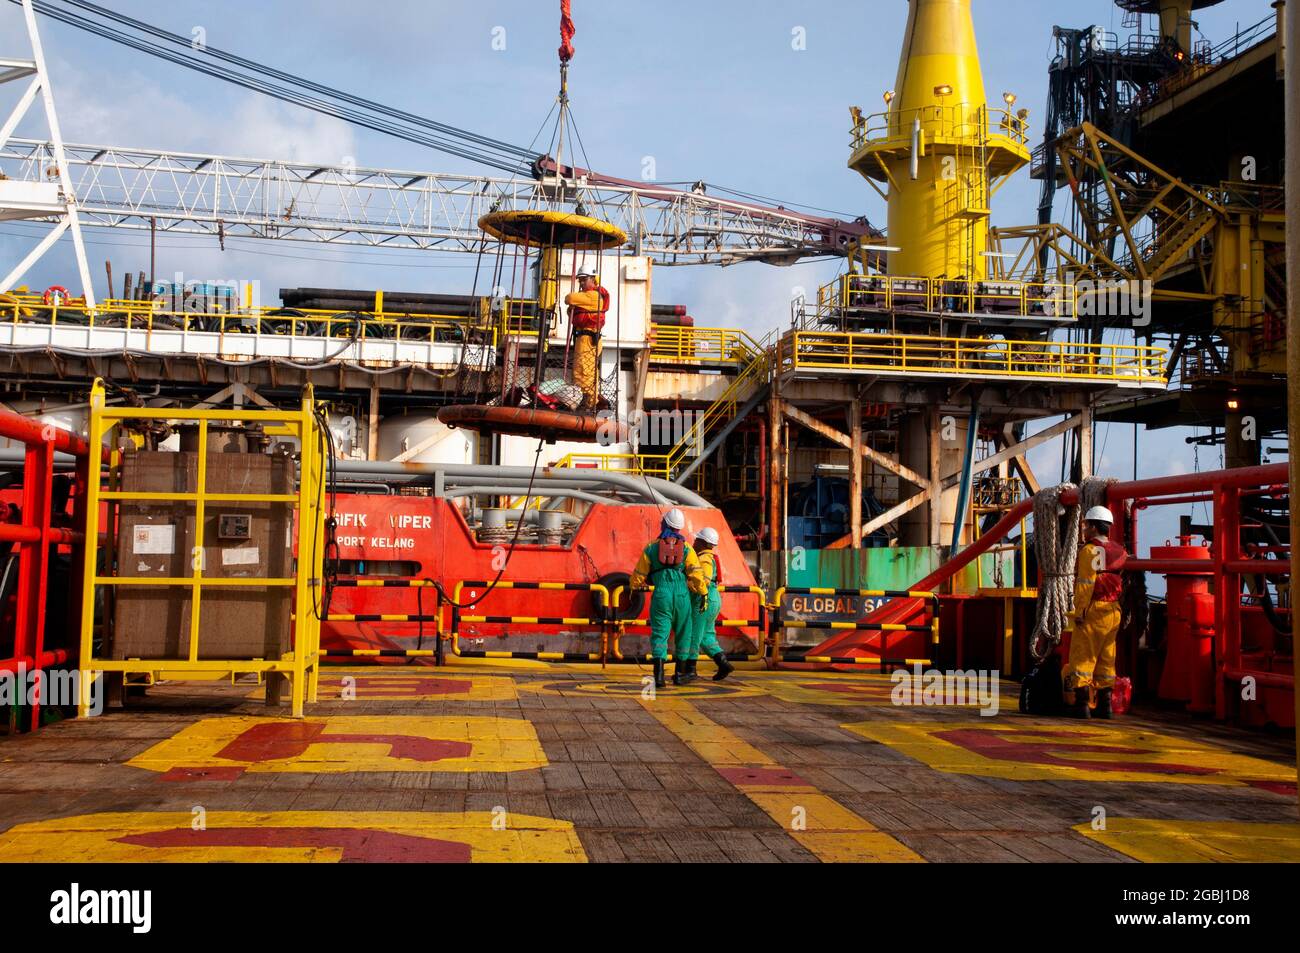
(717, 91)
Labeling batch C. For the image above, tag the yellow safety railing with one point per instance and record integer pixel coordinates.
(752, 375)
(923, 355)
(959, 121)
(677, 345)
(301, 664)
(153, 315)
(1002, 297)
(651, 464)
(459, 617)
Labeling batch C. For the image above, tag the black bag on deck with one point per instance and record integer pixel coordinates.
(1040, 690)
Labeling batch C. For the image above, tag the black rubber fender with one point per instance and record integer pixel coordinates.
(632, 602)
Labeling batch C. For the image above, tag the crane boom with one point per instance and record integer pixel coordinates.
(231, 197)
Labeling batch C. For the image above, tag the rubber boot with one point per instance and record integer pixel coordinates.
(691, 674)
(725, 668)
(1103, 709)
(679, 672)
(659, 673)
(1079, 707)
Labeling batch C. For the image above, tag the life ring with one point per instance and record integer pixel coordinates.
(549, 425)
(51, 291)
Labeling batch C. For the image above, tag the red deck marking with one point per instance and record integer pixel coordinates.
(358, 845)
(1284, 788)
(1000, 746)
(276, 741)
(202, 774)
(761, 776)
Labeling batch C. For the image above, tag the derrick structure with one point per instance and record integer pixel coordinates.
(926, 359)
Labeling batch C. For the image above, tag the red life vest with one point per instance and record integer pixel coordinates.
(593, 321)
(1110, 578)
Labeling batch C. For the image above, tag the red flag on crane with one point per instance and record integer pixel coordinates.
(566, 32)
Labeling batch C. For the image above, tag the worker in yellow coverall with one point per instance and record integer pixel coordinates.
(1098, 585)
(703, 636)
(587, 308)
(672, 567)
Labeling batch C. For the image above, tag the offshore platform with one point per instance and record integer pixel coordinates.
(418, 511)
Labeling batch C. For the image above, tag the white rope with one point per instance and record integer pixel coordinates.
(1057, 557)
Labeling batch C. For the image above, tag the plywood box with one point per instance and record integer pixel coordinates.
(239, 539)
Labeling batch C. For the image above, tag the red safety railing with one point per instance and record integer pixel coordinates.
(1223, 489)
(33, 535)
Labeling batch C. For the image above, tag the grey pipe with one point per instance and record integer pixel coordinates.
(638, 484)
(514, 491)
(530, 515)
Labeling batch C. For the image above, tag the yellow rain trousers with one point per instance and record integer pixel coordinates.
(1096, 626)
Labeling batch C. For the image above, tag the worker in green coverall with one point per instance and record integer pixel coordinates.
(672, 567)
(703, 633)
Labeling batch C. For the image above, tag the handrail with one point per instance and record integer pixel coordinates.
(957, 121)
(1004, 297)
(913, 354)
(753, 375)
(692, 345)
(458, 616)
(152, 315)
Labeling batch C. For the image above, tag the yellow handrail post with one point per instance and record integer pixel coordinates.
(95, 440)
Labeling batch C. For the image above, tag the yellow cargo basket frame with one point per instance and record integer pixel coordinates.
(301, 664)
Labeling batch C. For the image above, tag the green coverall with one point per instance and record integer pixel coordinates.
(703, 634)
(671, 605)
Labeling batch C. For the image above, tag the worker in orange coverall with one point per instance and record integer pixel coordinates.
(1099, 582)
(587, 308)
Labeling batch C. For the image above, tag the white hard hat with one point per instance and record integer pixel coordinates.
(709, 535)
(1099, 514)
(675, 518)
(586, 271)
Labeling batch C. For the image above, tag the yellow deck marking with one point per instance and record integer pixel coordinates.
(874, 690)
(818, 822)
(1154, 841)
(1024, 750)
(289, 836)
(409, 683)
(344, 743)
(628, 682)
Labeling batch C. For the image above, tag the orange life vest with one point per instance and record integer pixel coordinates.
(592, 321)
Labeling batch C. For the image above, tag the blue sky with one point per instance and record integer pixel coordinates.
(711, 91)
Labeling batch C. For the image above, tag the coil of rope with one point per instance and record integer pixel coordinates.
(1056, 553)
(1057, 548)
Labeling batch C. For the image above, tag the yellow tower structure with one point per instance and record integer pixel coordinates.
(939, 147)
